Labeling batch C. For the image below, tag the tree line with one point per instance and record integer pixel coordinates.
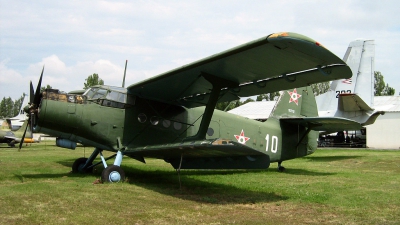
(10, 108)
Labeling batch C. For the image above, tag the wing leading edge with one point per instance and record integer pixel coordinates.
(276, 62)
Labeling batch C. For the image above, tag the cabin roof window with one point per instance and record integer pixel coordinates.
(100, 93)
(90, 92)
(110, 96)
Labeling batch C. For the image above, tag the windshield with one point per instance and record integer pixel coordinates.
(110, 96)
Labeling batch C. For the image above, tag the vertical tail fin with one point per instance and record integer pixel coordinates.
(360, 56)
(298, 102)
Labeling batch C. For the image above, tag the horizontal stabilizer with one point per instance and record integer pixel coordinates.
(371, 119)
(352, 103)
(325, 123)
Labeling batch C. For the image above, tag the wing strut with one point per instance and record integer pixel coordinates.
(217, 84)
(310, 127)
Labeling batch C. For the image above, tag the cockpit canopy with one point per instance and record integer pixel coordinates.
(110, 96)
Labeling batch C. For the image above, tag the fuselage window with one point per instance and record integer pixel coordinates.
(177, 125)
(166, 123)
(210, 131)
(154, 120)
(142, 117)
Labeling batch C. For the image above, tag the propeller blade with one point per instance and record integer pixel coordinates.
(36, 100)
(22, 139)
(31, 127)
(31, 94)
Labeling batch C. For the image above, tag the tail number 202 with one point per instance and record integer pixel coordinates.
(271, 142)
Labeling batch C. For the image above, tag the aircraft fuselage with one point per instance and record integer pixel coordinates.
(148, 123)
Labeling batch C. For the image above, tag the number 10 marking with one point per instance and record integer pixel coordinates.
(274, 143)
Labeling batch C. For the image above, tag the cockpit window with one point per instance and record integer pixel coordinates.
(100, 93)
(110, 96)
(89, 93)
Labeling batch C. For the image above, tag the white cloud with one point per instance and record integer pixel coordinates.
(77, 38)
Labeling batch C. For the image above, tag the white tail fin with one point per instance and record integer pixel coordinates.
(18, 120)
(360, 56)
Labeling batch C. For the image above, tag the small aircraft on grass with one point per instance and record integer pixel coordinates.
(172, 117)
(18, 120)
(13, 137)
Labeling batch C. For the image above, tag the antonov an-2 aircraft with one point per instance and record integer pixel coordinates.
(172, 117)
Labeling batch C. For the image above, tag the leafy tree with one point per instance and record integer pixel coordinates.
(44, 88)
(381, 89)
(248, 100)
(10, 108)
(18, 104)
(7, 107)
(268, 97)
(3, 108)
(92, 80)
(320, 88)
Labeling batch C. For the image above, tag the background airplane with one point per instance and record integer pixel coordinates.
(172, 117)
(13, 137)
(353, 98)
(18, 120)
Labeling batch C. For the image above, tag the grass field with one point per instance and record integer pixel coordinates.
(329, 187)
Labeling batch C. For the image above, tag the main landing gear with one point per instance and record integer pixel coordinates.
(280, 167)
(112, 174)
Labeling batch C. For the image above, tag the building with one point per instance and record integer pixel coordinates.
(385, 132)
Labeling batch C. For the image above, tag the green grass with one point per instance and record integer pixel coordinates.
(329, 187)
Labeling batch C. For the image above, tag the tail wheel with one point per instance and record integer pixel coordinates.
(77, 167)
(113, 174)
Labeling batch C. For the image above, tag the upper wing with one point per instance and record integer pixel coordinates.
(276, 62)
(325, 123)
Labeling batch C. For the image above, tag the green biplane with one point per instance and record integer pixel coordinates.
(172, 117)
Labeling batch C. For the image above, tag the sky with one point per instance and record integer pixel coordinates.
(74, 39)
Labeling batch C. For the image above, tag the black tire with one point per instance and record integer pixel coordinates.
(113, 174)
(11, 144)
(78, 164)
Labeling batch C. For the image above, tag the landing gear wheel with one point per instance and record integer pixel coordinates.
(113, 174)
(77, 167)
(281, 169)
(11, 144)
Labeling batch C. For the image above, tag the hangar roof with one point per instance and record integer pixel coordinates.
(387, 103)
(255, 110)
